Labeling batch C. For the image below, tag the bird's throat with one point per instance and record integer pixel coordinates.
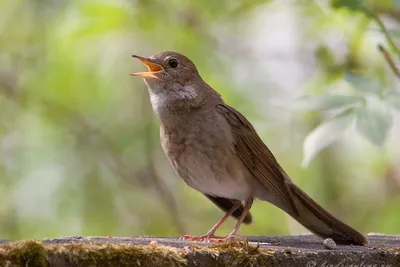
(180, 98)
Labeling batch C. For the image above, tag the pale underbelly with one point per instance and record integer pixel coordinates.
(228, 188)
(222, 183)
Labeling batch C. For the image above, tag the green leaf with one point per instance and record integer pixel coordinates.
(350, 4)
(325, 134)
(374, 122)
(326, 102)
(363, 83)
(393, 99)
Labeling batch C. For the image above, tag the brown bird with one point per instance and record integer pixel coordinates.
(217, 151)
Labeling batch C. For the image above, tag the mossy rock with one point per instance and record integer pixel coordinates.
(154, 252)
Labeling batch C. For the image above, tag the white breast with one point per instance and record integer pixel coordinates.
(160, 98)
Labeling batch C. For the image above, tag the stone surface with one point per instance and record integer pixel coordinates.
(300, 250)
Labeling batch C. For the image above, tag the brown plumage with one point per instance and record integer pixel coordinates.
(261, 162)
(216, 150)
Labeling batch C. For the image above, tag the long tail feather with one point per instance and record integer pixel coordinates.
(319, 221)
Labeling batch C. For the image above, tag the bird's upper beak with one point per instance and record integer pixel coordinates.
(151, 65)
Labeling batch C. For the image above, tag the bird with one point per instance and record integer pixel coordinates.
(217, 151)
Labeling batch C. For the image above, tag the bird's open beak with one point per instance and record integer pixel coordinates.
(152, 66)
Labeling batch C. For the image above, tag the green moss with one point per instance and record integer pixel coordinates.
(95, 254)
(23, 253)
(239, 254)
(35, 254)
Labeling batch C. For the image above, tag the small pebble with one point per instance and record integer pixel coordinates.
(329, 243)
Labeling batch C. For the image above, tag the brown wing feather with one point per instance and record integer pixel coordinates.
(226, 204)
(256, 156)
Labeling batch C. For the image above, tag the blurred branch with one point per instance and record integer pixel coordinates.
(388, 11)
(389, 60)
(382, 26)
(359, 5)
(116, 164)
(108, 155)
(165, 194)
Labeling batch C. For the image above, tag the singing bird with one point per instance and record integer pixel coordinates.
(217, 151)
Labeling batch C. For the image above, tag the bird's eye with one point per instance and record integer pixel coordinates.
(173, 63)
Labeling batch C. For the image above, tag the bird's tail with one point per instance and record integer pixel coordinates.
(319, 221)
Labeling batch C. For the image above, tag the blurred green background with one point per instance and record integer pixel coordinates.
(79, 147)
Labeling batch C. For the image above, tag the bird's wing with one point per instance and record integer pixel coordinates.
(226, 204)
(260, 161)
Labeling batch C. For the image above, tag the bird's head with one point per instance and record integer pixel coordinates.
(174, 83)
(167, 71)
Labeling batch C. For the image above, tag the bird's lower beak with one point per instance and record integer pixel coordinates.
(152, 66)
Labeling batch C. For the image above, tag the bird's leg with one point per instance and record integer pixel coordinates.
(232, 236)
(210, 234)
